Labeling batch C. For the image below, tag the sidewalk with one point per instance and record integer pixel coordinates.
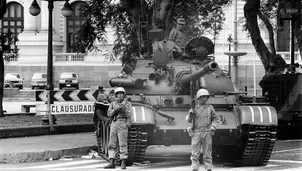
(14, 108)
(41, 148)
(37, 144)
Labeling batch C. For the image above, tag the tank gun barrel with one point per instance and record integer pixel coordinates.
(127, 82)
(186, 78)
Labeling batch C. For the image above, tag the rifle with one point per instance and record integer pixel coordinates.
(193, 114)
(190, 130)
(113, 118)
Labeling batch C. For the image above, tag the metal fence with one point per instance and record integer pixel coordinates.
(63, 57)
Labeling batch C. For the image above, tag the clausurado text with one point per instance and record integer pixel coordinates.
(71, 108)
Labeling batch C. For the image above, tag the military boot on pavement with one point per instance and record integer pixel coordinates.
(111, 165)
(123, 165)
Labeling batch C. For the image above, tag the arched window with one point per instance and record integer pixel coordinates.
(74, 23)
(13, 21)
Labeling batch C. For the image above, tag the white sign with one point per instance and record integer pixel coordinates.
(66, 108)
(72, 108)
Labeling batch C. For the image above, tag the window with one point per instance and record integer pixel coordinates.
(74, 23)
(13, 21)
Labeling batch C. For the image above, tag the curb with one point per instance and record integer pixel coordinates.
(44, 130)
(44, 155)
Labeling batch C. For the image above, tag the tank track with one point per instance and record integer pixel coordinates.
(137, 142)
(102, 137)
(259, 145)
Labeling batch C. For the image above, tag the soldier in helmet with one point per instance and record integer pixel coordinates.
(206, 121)
(120, 111)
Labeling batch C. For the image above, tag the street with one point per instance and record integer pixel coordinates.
(287, 156)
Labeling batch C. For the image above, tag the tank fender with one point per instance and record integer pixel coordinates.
(142, 115)
(258, 115)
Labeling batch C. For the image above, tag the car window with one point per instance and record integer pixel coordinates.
(68, 75)
(12, 76)
(39, 75)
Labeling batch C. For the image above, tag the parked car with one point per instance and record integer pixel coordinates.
(39, 80)
(69, 79)
(13, 80)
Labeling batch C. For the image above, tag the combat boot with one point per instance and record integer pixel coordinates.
(123, 165)
(111, 165)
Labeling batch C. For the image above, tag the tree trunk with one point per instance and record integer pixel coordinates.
(162, 15)
(298, 31)
(1, 83)
(269, 60)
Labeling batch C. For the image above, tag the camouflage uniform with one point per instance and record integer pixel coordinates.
(119, 128)
(205, 117)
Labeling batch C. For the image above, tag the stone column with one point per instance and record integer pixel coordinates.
(44, 15)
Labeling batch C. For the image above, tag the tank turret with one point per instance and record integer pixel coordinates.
(184, 78)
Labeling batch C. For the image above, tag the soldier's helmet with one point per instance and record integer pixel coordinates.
(101, 97)
(119, 89)
(202, 92)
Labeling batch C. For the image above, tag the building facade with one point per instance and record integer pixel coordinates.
(94, 68)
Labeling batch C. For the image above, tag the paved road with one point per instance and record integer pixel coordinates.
(287, 156)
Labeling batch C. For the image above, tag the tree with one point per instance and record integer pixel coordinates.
(2, 12)
(200, 15)
(6, 53)
(267, 10)
(124, 17)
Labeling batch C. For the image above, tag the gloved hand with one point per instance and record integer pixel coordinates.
(191, 113)
(128, 123)
(212, 130)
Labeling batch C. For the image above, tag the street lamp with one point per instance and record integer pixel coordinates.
(292, 12)
(34, 10)
(230, 40)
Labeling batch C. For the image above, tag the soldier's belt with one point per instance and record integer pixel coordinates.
(120, 118)
(202, 129)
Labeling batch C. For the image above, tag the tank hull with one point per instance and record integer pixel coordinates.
(285, 94)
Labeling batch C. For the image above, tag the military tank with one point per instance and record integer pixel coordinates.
(161, 90)
(284, 92)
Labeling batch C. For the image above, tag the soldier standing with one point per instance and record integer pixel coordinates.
(177, 35)
(120, 112)
(206, 121)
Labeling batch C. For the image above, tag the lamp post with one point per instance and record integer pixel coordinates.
(292, 12)
(34, 10)
(66, 11)
(230, 40)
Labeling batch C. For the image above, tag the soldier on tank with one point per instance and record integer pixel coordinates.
(205, 123)
(178, 36)
(120, 112)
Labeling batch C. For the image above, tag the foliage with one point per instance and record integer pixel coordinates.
(201, 16)
(6, 40)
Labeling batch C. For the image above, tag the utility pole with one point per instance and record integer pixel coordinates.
(235, 41)
(2, 12)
